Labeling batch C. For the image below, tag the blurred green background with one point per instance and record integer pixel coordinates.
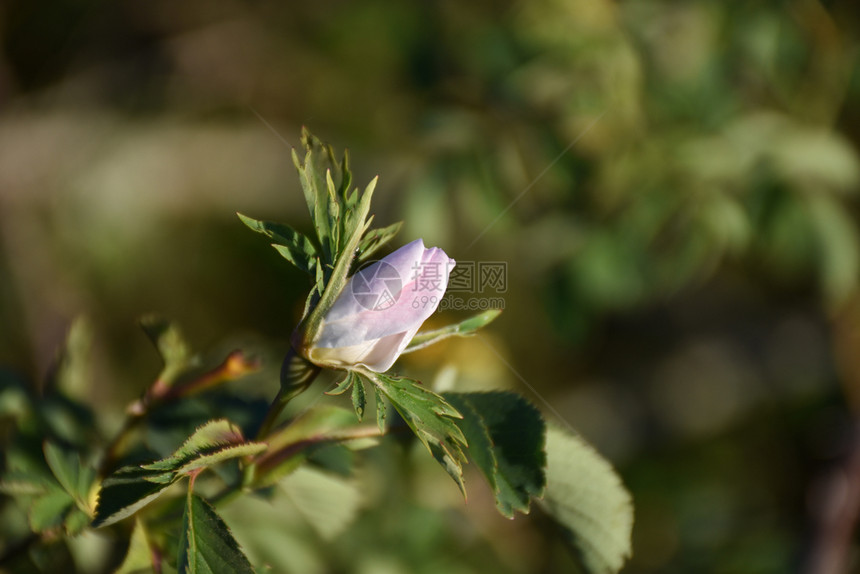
(673, 186)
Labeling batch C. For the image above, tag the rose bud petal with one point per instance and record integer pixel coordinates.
(381, 308)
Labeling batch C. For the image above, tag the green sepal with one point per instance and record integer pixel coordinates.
(359, 400)
(464, 328)
(381, 408)
(342, 386)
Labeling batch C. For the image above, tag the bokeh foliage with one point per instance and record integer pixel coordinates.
(682, 246)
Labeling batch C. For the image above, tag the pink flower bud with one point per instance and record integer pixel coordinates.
(381, 308)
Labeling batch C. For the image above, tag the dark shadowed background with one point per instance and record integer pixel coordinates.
(672, 187)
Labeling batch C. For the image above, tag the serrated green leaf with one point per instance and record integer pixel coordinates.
(349, 199)
(426, 412)
(213, 443)
(206, 545)
(359, 400)
(210, 437)
(334, 214)
(294, 246)
(207, 460)
(317, 166)
(340, 218)
(302, 260)
(317, 291)
(464, 328)
(326, 184)
(376, 238)
(506, 437)
(138, 559)
(125, 492)
(429, 416)
(585, 495)
(411, 395)
(75, 478)
(161, 477)
(49, 510)
(452, 463)
(353, 222)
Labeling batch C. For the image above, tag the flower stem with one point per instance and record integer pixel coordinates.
(297, 374)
